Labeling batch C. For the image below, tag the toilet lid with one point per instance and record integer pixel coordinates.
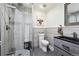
(45, 41)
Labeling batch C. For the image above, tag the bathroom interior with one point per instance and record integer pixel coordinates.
(39, 29)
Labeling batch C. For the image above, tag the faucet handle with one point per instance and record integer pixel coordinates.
(74, 34)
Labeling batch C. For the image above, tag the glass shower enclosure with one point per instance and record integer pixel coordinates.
(17, 30)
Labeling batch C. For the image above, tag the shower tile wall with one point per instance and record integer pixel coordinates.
(2, 26)
(23, 28)
(18, 30)
(68, 30)
(18, 37)
(4, 39)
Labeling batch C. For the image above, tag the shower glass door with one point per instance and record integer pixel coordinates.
(11, 14)
(18, 29)
(22, 29)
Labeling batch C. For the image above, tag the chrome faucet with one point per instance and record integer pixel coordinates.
(74, 34)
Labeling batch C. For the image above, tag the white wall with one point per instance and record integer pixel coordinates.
(55, 17)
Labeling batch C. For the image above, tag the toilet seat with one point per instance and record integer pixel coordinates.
(44, 42)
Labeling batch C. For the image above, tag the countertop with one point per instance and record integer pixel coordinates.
(68, 39)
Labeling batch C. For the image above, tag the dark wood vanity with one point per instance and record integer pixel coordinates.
(68, 45)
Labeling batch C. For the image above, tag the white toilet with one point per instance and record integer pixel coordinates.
(43, 43)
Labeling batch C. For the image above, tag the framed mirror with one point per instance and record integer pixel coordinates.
(71, 14)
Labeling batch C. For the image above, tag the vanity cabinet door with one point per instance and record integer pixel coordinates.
(57, 42)
(67, 46)
(59, 52)
(56, 51)
(63, 53)
(72, 48)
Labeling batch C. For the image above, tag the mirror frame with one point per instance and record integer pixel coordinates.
(66, 23)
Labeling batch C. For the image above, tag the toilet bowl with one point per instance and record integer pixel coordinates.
(43, 43)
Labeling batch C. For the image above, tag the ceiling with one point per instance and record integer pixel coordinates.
(24, 5)
(44, 7)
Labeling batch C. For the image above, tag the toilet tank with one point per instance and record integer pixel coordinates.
(41, 36)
